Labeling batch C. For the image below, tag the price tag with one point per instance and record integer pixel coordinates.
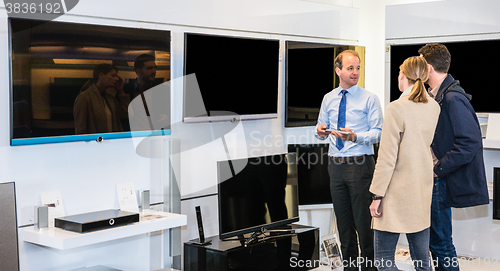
(127, 197)
(54, 201)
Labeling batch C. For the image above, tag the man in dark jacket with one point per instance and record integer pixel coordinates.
(459, 175)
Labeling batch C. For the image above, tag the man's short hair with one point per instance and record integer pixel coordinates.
(339, 59)
(139, 61)
(437, 55)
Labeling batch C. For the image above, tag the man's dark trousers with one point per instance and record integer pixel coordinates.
(349, 186)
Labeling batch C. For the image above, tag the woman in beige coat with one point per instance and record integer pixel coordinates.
(403, 178)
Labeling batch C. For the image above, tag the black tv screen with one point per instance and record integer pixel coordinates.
(312, 173)
(264, 194)
(52, 61)
(234, 74)
(309, 74)
(461, 69)
(496, 193)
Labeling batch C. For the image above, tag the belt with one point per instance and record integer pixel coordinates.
(349, 159)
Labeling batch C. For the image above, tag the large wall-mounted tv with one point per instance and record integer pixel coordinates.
(263, 195)
(51, 62)
(309, 75)
(234, 74)
(461, 69)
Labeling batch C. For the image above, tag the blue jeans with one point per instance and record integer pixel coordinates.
(385, 247)
(441, 243)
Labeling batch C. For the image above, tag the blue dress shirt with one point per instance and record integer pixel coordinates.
(363, 116)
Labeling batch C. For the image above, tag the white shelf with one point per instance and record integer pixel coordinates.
(63, 239)
(491, 144)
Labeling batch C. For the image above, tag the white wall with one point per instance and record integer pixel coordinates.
(475, 232)
(372, 35)
(86, 172)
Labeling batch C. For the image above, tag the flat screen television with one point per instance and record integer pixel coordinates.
(263, 195)
(51, 61)
(312, 173)
(461, 69)
(309, 75)
(234, 74)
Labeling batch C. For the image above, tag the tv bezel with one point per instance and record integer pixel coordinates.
(241, 232)
(228, 117)
(71, 138)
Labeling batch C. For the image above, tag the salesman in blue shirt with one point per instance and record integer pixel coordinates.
(355, 116)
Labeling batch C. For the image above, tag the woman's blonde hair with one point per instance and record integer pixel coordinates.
(416, 70)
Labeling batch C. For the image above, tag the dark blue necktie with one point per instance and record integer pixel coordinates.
(341, 120)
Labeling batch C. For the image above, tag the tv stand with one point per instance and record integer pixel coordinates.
(273, 234)
(281, 231)
(275, 252)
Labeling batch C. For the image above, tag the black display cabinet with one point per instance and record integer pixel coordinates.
(297, 251)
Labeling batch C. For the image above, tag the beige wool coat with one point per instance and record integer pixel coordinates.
(404, 170)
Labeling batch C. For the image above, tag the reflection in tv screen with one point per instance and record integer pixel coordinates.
(79, 79)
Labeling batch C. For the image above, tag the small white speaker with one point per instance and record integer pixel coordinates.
(41, 217)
